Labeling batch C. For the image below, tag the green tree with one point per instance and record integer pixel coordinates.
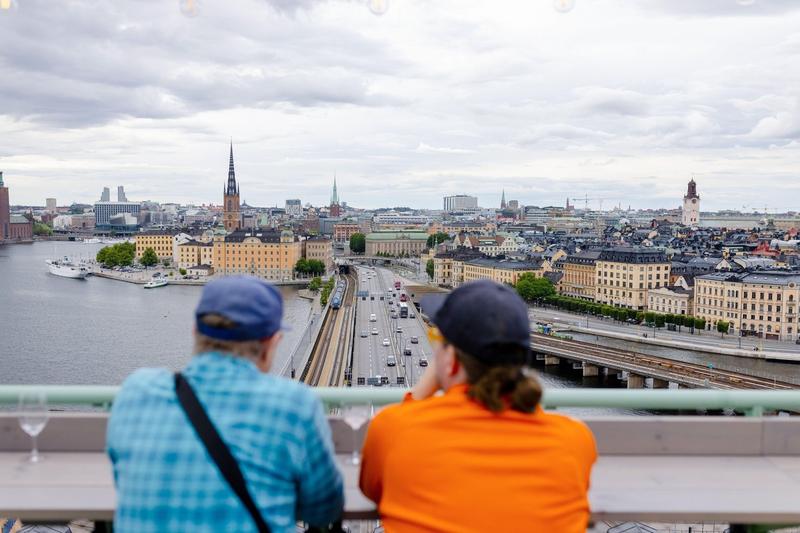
(166, 261)
(699, 323)
(723, 327)
(660, 321)
(149, 258)
(121, 254)
(358, 243)
(315, 284)
(429, 268)
(301, 267)
(42, 229)
(182, 271)
(315, 266)
(437, 238)
(531, 288)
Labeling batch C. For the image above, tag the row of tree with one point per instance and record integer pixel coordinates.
(326, 291)
(121, 254)
(533, 289)
(647, 317)
(309, 266)
(358, 243)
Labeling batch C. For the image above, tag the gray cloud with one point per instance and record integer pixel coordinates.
(724, 8)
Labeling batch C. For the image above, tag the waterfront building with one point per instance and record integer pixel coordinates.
(165, 244)
(20, 228)
(342, 231)
(624, 275)
(500, 271)
(761, 304)
(106, 213)
(580, 276)
(460, 202)
(321, 249)
(5, 211)
(231, 218)
(396, 243)
(267, 254)
(670, 300)
(691, 206)
(195, 252)
(50, 204)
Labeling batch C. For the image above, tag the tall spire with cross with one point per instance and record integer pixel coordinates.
(232, 188)
(335, 193)
(503, 200)
(232, 218)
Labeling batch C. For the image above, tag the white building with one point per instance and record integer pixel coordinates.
(460, 202)
(691, 206)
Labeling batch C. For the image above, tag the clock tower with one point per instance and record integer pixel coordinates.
(691, 206)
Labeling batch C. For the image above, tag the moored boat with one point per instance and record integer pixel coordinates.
(67, 269)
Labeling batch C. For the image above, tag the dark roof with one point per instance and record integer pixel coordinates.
(554, 277)
(506, 264)
(587, 257)
(633, 255)
(263, 236)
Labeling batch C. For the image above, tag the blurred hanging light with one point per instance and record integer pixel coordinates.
(563, 6)
(745, 2)
(7, 5)
(189, 8)
(378, 7)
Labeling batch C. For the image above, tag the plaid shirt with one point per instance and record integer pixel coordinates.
(274, 427)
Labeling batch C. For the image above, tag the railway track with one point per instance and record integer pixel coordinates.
(661, 367)
(321, 368)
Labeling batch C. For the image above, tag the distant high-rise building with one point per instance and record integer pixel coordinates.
(50, 204)
(121, 194)
(5, 212)
(335, 209)
(232, 218)
(460, 202)
(691, 206)
(294, 208)
(106, 196)
(513, 204)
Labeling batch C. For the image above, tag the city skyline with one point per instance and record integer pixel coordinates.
(426, 101)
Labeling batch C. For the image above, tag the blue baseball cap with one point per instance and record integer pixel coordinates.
(255, 306)
(484, 319)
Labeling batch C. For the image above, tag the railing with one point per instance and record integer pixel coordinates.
(751, 403)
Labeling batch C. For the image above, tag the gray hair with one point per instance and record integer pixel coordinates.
(204, 343)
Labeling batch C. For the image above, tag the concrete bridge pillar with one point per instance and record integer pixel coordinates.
(550, 360)
(660, 383)
(682, 386)
(635, 381)
(590, 370)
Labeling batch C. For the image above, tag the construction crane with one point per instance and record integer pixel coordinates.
(586, 201)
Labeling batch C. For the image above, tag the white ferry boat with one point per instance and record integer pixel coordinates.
(67, 269)
(155, 283)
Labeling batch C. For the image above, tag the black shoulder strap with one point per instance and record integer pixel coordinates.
(217, 449)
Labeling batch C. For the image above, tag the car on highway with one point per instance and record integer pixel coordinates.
(364, 333)
(423, 361)
(411, 314)
(374, 331)
(394, 315)
(386, 342)
(391, 361)
(399, 329)
(414, 340)
(373, 318)
(407, 351)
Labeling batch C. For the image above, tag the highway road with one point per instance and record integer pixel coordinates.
(370, 356)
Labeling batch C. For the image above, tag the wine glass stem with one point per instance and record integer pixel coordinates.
(35, 450)
(355, 458)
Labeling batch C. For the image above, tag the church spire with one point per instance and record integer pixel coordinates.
(503, 200)
(232, 188)
(335, 193)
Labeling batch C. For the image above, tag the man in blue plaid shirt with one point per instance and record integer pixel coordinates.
(275, 429)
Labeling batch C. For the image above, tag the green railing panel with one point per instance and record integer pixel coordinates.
(753, 403)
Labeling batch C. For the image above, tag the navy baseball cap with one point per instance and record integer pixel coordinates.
(255, 306)
(483, 319)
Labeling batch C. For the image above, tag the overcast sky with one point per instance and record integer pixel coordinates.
(618, 99)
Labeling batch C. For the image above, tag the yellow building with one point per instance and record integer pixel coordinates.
(267, 254)
(500, 271)
(448, 267)
(580, 275)
(194, 253)
(624, 275)
(160, 242)
(761, 304)
(320, 249)
(396, 243)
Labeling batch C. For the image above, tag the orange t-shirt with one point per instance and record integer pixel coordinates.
(448, 464)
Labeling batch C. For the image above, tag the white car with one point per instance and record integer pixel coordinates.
(374, 331)
(386, 342)
(373, 318)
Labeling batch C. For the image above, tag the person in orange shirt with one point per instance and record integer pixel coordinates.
(483, 456)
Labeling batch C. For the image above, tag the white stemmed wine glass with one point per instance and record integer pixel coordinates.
(33, 418)
(355, 416)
